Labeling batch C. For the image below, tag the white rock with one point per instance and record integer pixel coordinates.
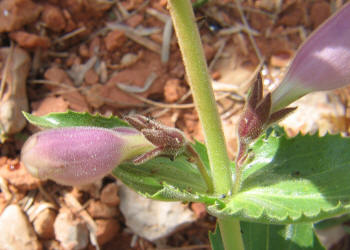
(331, 236)
(70, 231)
(313, 114)
(16, 233)
(151, 219)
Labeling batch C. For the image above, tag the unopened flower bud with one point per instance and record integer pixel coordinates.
(322, 63)
(81, 155)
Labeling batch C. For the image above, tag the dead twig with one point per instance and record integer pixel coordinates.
(70, 35)
(135, 89)
(250, 35)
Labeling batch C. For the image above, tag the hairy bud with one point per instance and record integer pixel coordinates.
(80, 155)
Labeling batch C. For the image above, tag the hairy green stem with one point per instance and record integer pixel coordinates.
(203, 95)
(200, 165)
(231, 234)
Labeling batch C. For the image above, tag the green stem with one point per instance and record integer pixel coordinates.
(203, 96)
(231, 234)
(200, 165)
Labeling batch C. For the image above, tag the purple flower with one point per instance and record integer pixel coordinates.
(322, 63)
(80, 155)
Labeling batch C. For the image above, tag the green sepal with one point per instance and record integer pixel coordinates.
(73, 119)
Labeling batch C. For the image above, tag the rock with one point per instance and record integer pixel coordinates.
(319, 112)
(16, 174)
(151, 219)
(114, 40)
(281, 59)
(109, 195)
(14, 14)
(49, 104)
(51, 245)
(209, 52)
(267, 5)
(56, 74)
(91, 77)
(293, 15)
(14, 98)
(70, 231)
(173, 90)
(134, 20)
(30, 41)
(76, 100)
(331, 236)
(199, 209)
(53, 18)
(94, 96)
(16, 233)
(106, 230)
(320, 11)
(99, 210)
(43, 224)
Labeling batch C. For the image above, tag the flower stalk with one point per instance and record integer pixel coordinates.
(203, 95)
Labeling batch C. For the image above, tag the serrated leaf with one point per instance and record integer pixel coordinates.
(276, 237)
(72, 119)
(215, 239)
(289, 180)
(164, 179)
(332, 222)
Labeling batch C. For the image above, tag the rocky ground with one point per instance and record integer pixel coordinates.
(117, 57)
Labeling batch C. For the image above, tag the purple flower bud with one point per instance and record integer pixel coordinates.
(322, 63)
(80, 155)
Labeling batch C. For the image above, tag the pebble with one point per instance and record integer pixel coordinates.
(106, 230)
(14, 14)
(16, 174)
(43, 224)
(109, 195)
(151, 219)
(30, 41)
(199, 209)
(173, 90)
(115, 39)
(320, 11)
(70, 231)
(97, 209)
(16, 233)
(53, 18)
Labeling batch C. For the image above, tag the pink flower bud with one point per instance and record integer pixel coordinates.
(322, 63)
(80, 155)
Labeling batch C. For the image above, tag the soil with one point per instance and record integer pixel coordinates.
(114, 57)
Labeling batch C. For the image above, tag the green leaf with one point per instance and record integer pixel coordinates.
(72, 119)
(332, 222)
(292, 180)
(164, 179)
(216, 240)
(270, 237)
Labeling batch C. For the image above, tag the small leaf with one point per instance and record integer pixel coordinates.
(163, 179)
(292, 180)
(216, 240)
(73, 119)
(269, 237)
